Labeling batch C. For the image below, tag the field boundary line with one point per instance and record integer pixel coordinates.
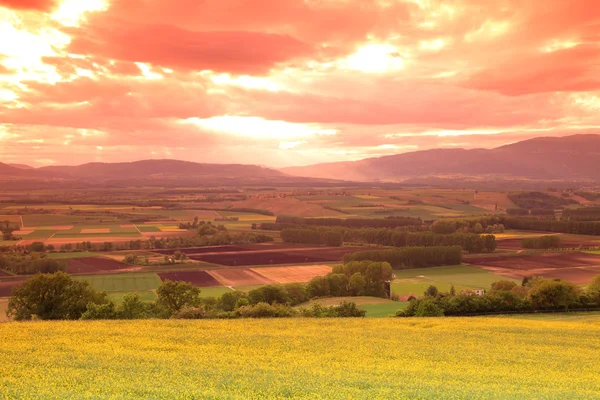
(138, 229)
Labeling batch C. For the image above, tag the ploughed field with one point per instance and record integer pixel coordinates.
(293, 358)
(575, 267)
(252, 255)
(92, 265)
(516, 244)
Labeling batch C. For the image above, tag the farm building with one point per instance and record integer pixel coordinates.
(475, 292)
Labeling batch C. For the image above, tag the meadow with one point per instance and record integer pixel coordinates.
(463, 277)
(445, 358)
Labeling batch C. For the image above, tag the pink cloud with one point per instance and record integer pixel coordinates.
(37, 5)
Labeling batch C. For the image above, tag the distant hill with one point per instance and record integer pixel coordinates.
(159, 173)
(20, 166)
(547, 158)
(159, 169)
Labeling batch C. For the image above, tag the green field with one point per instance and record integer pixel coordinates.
(126, 282)
(74, 254)
(117, 297)
(383, 310)
(463, 277)
(374, 306)
(429, 358)
(214, 291)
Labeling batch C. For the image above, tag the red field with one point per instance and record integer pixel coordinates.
(271, 246)
(92, 265)
(574, 267)
(293, 274)
(515, 244)
(6, 287)
(196, 278)
(240, 277)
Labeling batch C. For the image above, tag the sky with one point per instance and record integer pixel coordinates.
(290, 82)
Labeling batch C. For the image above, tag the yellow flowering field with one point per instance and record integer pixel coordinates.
(451, 358)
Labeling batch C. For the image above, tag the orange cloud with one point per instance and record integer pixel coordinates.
(38, 5)
(295, 81)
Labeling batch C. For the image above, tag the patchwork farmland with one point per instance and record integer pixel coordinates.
(576, 267)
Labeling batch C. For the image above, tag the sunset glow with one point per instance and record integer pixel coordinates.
(298, 81)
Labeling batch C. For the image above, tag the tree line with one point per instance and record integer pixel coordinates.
(351, 222)
(411, 257)
(581, 214)
(471, 242)
(364, 278)
(58, 296)
(533, 294)
(542, 242)
(29, 264)
(577, 227)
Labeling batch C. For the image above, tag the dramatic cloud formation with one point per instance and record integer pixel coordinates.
(290, 82)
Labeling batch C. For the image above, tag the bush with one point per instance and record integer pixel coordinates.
(345, 309)
(190, 313)
(269, 294)
(100, 311)
(428, 308)
(265, 310)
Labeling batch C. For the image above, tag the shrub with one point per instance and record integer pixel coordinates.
(265, 310)
(428, 308)
(190, 313)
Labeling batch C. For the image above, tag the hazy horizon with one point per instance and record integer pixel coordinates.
(289, 83)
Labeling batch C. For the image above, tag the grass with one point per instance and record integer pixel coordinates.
(214, 291)
(463, 277)
(117, 297)
(383, 310)
(374, 306)
(126, 282)
(438, 358)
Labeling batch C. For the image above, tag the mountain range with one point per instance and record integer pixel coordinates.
(546, 158)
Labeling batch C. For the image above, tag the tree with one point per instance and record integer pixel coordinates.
(503, 285)
(443, 227)
(593, 289)
(52, 297)
(38, 247)
(553, 294)
(478, 228)
(431, 291)
(229, 300)
(338, 284)
(132, 307)
(173, 296)
(318, 287)
(452, 291)
(357, 284)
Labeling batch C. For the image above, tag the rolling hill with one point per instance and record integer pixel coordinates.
(164, 173)
(547, 158)
(159, 169)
